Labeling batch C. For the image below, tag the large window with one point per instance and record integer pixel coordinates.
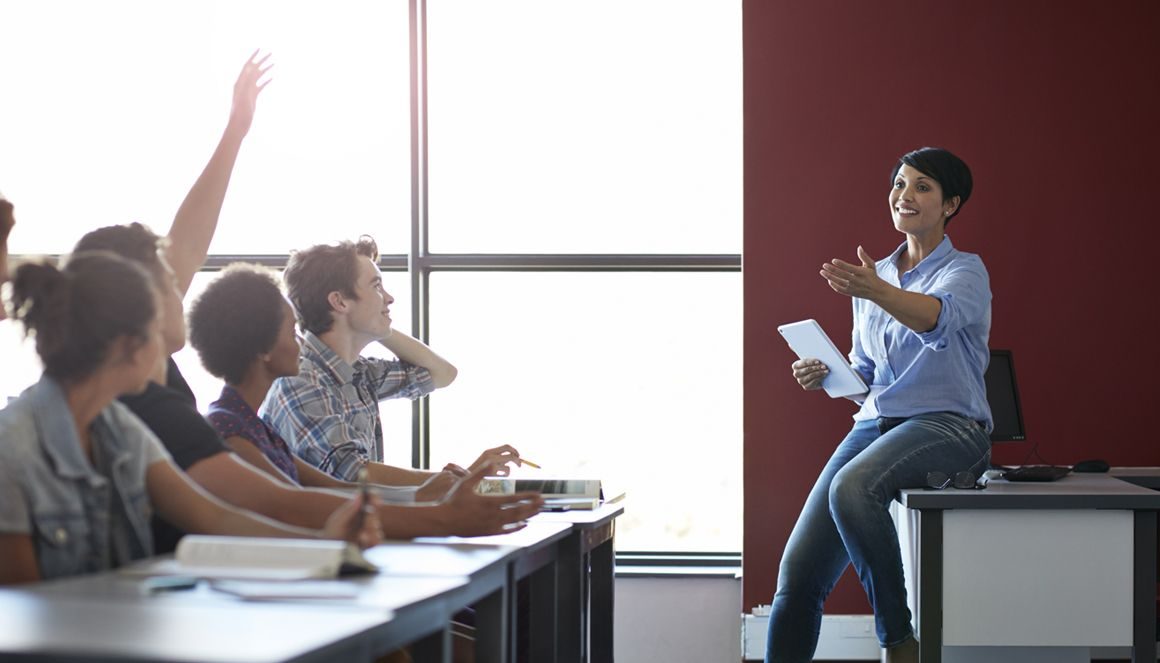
(557, 187)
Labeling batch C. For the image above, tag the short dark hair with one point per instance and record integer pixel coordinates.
(313, 273)
(7, 220)
(135, 242)
(951, 173)
(76, 312)
(236, 319)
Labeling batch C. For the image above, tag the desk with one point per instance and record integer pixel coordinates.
(1089, 539)
(585, 584)
(108, 617)
(533, 560)
(91, 629)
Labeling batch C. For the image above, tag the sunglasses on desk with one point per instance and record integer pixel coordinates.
(965, 480)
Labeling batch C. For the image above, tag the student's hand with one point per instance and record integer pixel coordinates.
(855, 280)
(809, 373)
(246, 90)
(437, 487)
(495, 461)
(355, 522)
(456, 470)
(470, 514)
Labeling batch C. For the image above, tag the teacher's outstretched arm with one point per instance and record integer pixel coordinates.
(916, 311)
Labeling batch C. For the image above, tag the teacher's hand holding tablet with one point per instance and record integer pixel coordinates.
(809, 373)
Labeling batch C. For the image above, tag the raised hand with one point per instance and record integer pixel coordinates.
(246, 90)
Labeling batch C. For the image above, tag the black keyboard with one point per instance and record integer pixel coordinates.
(1036, 473)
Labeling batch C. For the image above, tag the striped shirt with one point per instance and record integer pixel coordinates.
(329, 412)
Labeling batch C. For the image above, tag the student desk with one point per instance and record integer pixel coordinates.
(422, 584)
(1025, 566)
(532, 557)
(585, 584)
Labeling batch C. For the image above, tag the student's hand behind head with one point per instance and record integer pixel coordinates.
(356, 523)
(472, 514)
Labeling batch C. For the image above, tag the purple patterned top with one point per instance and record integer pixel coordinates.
(231, 416)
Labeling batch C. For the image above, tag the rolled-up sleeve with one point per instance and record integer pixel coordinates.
(859, 360)
(397, 379)
(965, 294)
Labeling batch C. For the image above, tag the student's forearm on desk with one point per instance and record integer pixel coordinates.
(390, 475)
(240, 484)
(192, 508)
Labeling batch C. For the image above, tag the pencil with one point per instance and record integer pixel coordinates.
(364, 490)
(525, 461)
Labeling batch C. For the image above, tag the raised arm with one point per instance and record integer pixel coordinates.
(197, 218)
(915, 310)
(415, 352)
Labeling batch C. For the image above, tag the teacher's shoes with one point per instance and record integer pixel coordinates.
(906, 652)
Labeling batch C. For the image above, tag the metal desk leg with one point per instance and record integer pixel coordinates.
(1144, 588)
(570, 593)
(600, 613)
(929, 578)
(492, 628)
(435, 648)
(542, 629)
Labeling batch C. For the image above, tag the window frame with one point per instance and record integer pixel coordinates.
(419, 263)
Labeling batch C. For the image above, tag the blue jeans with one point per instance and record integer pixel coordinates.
(846, 520)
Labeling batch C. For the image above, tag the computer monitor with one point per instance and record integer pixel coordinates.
(1003, 395)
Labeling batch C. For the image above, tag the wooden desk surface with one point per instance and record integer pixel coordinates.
(1075, 491)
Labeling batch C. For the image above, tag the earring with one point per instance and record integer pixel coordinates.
(946, 213)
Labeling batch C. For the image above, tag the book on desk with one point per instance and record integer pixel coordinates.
(254, 558)
(559, 494)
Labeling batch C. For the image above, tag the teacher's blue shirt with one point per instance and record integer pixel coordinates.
(941, 370)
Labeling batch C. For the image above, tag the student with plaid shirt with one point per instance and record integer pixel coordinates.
(328, 413)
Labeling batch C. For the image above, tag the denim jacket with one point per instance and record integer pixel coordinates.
(82, 517)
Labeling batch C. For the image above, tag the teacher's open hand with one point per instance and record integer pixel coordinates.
(854, 280)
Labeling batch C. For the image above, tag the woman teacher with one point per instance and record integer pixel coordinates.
(922, 316)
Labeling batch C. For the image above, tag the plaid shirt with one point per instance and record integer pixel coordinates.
(329, 412)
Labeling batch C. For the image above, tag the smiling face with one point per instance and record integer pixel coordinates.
(917, 205)
(368, 315)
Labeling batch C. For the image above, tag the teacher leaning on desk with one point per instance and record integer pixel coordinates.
(921, 321)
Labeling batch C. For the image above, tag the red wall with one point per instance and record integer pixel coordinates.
(1056, 107)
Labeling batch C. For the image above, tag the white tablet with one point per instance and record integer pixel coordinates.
(808, 341)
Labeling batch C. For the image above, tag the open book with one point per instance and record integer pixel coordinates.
(258, 559)
(559, 494)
